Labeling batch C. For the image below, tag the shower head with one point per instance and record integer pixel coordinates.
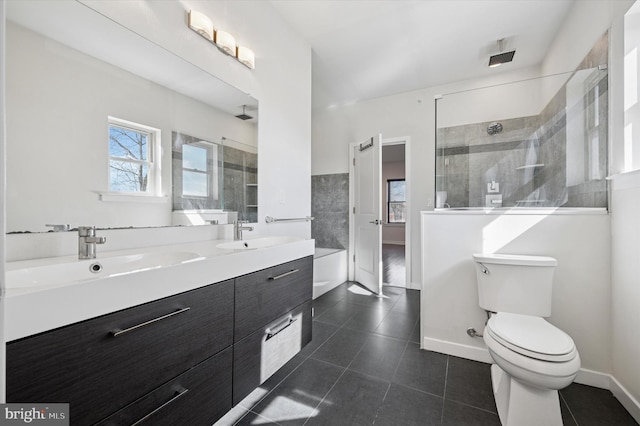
(502, 57)
(244, 115)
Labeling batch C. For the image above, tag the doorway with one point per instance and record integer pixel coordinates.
(395, 213)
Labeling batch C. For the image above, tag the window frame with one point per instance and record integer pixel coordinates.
(153, 156)
(404, 203)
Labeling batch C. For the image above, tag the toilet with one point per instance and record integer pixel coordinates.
(533, 358)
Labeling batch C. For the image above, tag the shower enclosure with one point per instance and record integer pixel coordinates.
(533, 143)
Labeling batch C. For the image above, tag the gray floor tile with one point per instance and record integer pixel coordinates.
(469, 382)
(422, 370)
(404, 406)
(342, 347)
(379, 357)
(456, 414)
(595, 407)
(396, 324)
(353, 401)
(368, 319)
(321, 333)
(339, 313)
(296, 397)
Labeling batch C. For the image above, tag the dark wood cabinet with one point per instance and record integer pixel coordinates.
(264, 296)
(167, 362)
(195, 398)
(98, 371)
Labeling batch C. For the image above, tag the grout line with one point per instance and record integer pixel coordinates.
(568, 408)
(444, 392)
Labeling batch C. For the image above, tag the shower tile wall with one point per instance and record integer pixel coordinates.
(240, 183)
(330, 208)
(469, 158)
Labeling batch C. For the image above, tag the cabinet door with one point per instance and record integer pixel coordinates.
(100, 365)
(251, 367)
(264, 296)
(200, 396)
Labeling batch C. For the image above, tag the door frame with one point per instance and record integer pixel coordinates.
(406, 140)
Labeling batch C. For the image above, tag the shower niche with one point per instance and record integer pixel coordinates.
(533, 143)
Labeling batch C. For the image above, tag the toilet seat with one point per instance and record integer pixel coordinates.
(532, 337)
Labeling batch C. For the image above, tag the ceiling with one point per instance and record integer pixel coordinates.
(364, 49)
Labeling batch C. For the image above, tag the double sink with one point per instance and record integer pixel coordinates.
(55, 272)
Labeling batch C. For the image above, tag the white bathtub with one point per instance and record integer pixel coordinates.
(329, 270)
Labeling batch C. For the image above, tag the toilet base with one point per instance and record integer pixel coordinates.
(523, 405)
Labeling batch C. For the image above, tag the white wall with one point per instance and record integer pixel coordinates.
(2, 199)
(625, 263)
(581, 296)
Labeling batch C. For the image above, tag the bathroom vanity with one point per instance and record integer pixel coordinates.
(185, 358)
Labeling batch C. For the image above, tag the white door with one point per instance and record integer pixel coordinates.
(368, 214)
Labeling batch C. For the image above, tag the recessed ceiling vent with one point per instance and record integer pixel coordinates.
(244, 115)
(502, 57)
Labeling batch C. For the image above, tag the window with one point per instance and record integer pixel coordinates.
(396, 200)
(197, 173)
(133, 166)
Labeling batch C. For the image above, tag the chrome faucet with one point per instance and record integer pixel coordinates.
(238, 228)
(87, 241)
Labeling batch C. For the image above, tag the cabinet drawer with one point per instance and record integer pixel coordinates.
(198, 397)
(100, 365)
(251, 363)
(266, 295)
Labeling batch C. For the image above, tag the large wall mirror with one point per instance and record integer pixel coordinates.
(72, 74)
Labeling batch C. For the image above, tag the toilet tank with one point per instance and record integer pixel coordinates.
(517, 284)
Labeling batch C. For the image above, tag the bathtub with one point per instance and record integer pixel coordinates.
(329, 270)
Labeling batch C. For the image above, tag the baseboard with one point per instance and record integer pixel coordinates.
(626, 399)
(456, 349)
(593, 378)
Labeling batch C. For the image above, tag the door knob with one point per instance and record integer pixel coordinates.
(376, 222)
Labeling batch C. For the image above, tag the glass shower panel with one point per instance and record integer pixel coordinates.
(534, 143)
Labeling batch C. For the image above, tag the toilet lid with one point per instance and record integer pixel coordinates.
(531, 336)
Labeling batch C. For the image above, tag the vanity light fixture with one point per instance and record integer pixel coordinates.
(246, 57)
(201, 24)
(226, 42)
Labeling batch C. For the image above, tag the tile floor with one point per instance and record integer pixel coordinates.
(364, 367)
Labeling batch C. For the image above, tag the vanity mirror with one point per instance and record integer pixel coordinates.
(71, 74)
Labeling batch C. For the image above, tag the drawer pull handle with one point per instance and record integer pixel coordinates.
(270, 332)
(116, 333)
(277, 277)
(179, 394)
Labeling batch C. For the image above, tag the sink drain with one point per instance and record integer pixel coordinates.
(95, 267)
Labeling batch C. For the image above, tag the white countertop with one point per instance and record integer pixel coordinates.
(33, 311)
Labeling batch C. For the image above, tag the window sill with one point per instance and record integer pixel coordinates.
(132, 198)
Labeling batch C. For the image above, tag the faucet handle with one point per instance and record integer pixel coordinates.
(86, 231)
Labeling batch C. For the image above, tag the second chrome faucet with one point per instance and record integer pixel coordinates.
(238, 228)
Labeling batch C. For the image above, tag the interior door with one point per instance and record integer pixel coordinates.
(368, 214)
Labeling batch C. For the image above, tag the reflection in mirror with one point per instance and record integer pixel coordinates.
(65, 86)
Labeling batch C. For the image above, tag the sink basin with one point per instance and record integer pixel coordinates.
(23, 275)
(256, 243)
